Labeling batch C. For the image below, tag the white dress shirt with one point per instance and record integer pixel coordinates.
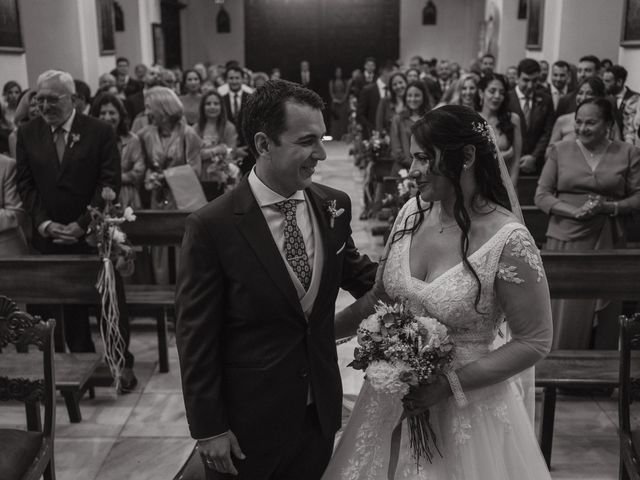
(224, 89)
(267, 199)
(382, 88)
(556, 94)
(522, 98)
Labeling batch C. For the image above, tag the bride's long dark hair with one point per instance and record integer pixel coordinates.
(450, 128)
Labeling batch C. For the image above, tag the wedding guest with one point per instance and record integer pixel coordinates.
(217, 133)
(234, 81)
(167, 142)
(202, 70)
(13, 219)
(191, 95)
(11, 94)
(392, 104)
(170, 80)
(415, 62)
(413, 75)
(234, 102)
(56, 196)
(129, 85)
(512, 76)
(487, 64)
(259, 79)
(535, 109)
(339, 108)
(588, 66)
(107, 80)
(82, 98)
(438, 88)
(26, 111)
(6, 127)
(110, 109)
(564, 126)
(627, 101)
(587, 186)
(140, 72)
(456, 71)
(560, 76)
(370, 98)
(275, 74)
(369, 70)
(463, 92)
(543, 83)
(355, 83)
(492, 90)
(135, 103)
(416, 104)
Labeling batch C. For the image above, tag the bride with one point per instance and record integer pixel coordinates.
(460, 253)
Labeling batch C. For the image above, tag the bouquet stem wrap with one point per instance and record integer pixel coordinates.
(421, 434)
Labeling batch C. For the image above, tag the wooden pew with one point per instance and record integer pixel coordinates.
(526, 189)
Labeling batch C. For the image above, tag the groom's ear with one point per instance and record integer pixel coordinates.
(262, 143)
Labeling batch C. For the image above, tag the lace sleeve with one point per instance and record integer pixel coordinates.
(523, 294)
(347, 320)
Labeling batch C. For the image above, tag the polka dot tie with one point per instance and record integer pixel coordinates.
(294, 248)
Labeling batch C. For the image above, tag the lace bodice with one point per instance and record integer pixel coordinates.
(451, 296)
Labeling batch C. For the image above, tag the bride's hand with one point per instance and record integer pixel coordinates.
(421, 398)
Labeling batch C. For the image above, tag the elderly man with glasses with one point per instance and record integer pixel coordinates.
(64, 159)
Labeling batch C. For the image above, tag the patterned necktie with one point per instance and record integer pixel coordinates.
(58, 139)
(294, 248)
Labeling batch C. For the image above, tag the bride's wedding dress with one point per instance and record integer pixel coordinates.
(492, 438)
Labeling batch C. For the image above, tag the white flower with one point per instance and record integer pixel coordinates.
(119, 236)
(403, 173)
(371, 323)
(234, 171)
(128, 214)
(385, 377)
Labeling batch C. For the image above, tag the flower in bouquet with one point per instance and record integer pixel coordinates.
(399, 350)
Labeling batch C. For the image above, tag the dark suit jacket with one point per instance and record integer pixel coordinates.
(61, 192)
(247, 352)
(567, 104)
(535, 135)
(249, 161)
(133, 86)
(134, 104)
(367, 107)
(619, 111)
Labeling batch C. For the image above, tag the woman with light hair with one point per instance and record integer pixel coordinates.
(167, 142)
(463, 92)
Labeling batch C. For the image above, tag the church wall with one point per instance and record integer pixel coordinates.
(630, 59)
(14, 67)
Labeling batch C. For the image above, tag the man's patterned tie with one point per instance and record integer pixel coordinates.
(294, 248)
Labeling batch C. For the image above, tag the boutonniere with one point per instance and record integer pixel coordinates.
(333, 212)
(75, 138)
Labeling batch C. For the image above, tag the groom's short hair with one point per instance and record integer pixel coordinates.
(265, 110)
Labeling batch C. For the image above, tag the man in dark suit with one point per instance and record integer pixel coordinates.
(125, 82)
(305, 78)
(626, 101)
(438, 87)
(370, 98)
(234, 102)
(588, 66)
(64, 160)
(259, 274)
(535, 109)
(559, 81)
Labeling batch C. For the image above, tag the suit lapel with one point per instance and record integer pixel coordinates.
(254, 228)
(73, 140)
(49, 145)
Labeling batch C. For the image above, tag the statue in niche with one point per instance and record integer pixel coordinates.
(429, 14)
(223, 21)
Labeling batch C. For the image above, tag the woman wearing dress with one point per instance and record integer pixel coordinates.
(393, 104)
(564, 127)
(587, 186)
(191, 85)
(463, 92)
(457, 253)
(110, 109)
(11, 93)
(492, 90)
(416, 104)
(217, 133)
(167, 142)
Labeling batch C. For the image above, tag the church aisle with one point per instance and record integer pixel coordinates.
(144, 435)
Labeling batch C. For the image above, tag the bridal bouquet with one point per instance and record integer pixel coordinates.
(116, 253)
(399, 350)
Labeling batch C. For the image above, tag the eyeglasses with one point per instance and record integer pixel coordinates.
(50, 99)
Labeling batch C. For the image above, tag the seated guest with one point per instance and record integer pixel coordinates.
(11, 94)
(506, 124)
(416, 104)
(110, 109)
(392, 104)
(217, 133)
(463, 92)
(588, 66)
(167, 142)
(191, 95)
(627, 101)
(26, 111)
(587, 186)
(564, 127)
(535, 109)
(12, 216)
(64, 160)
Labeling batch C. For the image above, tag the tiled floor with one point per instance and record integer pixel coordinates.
(144, 436)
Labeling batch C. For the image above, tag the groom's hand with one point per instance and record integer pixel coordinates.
(216, 452)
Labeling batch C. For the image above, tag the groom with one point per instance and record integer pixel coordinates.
(259, 273)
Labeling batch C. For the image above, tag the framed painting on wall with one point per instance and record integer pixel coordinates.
(10, 32)
(106, 36)
(630, 36)
(535, 24)
(157, 34)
